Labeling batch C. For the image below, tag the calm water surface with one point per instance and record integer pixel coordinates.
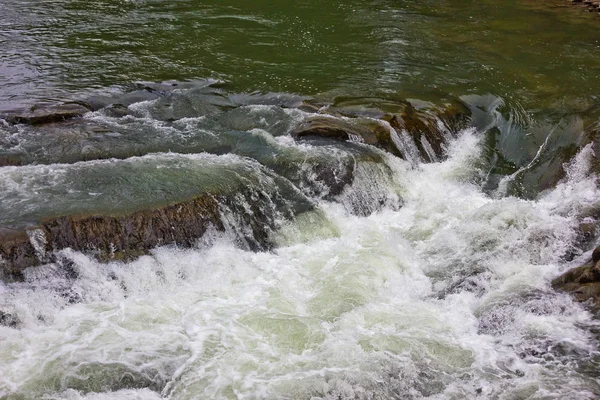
(540, 53)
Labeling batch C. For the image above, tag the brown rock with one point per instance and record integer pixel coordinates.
(129, 235)
(428, 129)
(582, 282)
(37, 115)
(16, 252)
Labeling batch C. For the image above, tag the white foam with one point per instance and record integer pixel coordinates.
(447, 296)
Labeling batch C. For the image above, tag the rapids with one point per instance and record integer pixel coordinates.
(331, 269)
(445, 296)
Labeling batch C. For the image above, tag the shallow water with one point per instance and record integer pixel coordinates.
(416, 280)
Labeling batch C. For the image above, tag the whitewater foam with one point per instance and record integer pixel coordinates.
(447, 296)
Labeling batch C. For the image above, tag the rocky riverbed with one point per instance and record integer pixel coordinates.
(61, 134)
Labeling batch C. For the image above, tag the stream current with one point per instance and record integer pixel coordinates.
(440, 292)
(415, 280)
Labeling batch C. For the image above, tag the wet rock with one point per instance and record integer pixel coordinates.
(10, 159)
(9, 320)
(41, 114)
(131, 235)
(472, 283)
(592, 6)
(16, 252)
(178, 106)
(429, 130)
(360, 130)
(582, 282)
(122, 237)
(326, 127)
(128, 235)
(116, 111)
(137, 96)
(311, 106)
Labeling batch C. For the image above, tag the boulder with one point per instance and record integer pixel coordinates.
(582, 282)
(16, 252)
(127, 235)
(428, 130)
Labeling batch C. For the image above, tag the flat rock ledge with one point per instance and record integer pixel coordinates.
(583, 282)
(124, 237)
(38, 114)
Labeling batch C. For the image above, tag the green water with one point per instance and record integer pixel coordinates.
(540, 54)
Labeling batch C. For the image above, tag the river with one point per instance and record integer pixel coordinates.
(421, 276)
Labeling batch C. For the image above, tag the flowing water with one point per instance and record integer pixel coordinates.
(385, 278)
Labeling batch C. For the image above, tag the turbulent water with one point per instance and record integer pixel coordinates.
(442, 292)
(340, 271)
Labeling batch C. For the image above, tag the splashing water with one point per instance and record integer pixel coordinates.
(444, 297)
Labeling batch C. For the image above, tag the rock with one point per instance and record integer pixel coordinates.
(38, 115)
(357, 129)
(16, 252)
(596, 254)
(116, 111)
(311, 106)
(326, 127)
(129, 235)
(428, 130)
(10, 159)
(9, 320)
(582, 282)
(592, 6)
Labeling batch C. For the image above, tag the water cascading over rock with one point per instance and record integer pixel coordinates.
(203, 118)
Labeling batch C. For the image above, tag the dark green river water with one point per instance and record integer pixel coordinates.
(539, 53)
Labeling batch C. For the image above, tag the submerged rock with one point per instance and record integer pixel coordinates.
(583, 282)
